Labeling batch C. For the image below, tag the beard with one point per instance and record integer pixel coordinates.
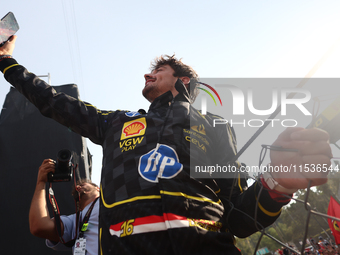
(148, 92)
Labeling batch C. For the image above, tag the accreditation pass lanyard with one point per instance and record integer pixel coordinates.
(80, 243)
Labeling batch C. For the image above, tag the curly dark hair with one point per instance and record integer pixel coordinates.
(181, 70)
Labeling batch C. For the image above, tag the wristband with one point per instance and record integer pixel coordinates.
(5, 56)
(274, 185)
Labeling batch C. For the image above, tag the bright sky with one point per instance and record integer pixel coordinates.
(105, 46)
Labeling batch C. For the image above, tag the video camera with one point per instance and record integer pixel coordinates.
(63, 167)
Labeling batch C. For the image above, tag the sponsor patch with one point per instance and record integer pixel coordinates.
(130, 144)
(133, 128)
(197, 135)
(163, 163)
(196, 142)
(132, 114)
(154, 223)
(199, 129)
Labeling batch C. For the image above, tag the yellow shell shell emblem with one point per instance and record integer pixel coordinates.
(133, 128)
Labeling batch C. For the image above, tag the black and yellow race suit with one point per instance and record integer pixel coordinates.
(149, 202)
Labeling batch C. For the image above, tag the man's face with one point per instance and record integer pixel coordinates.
(158, 82)
(87, 189)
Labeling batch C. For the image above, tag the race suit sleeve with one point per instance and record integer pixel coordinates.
(79, 116)
(244, 206)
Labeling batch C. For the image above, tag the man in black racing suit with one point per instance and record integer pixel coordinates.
(149, 202)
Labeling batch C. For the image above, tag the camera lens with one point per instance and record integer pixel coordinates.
(63, 167)
(64, 155)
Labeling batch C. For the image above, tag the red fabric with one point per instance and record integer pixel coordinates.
(275, 195)
(334, 210)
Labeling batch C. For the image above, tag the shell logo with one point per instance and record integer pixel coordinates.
(133, 128)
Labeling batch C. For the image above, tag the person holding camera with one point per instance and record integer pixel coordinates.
(43, 226)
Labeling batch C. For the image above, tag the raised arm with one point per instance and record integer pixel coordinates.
(41, 224)
(305, 148)
(78, 116)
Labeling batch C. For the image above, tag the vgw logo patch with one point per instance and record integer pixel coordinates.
(162, 163)
(132, 134)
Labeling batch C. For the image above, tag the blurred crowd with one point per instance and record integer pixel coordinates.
(321, 247)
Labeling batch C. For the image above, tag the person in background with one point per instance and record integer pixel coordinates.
(43, 226)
